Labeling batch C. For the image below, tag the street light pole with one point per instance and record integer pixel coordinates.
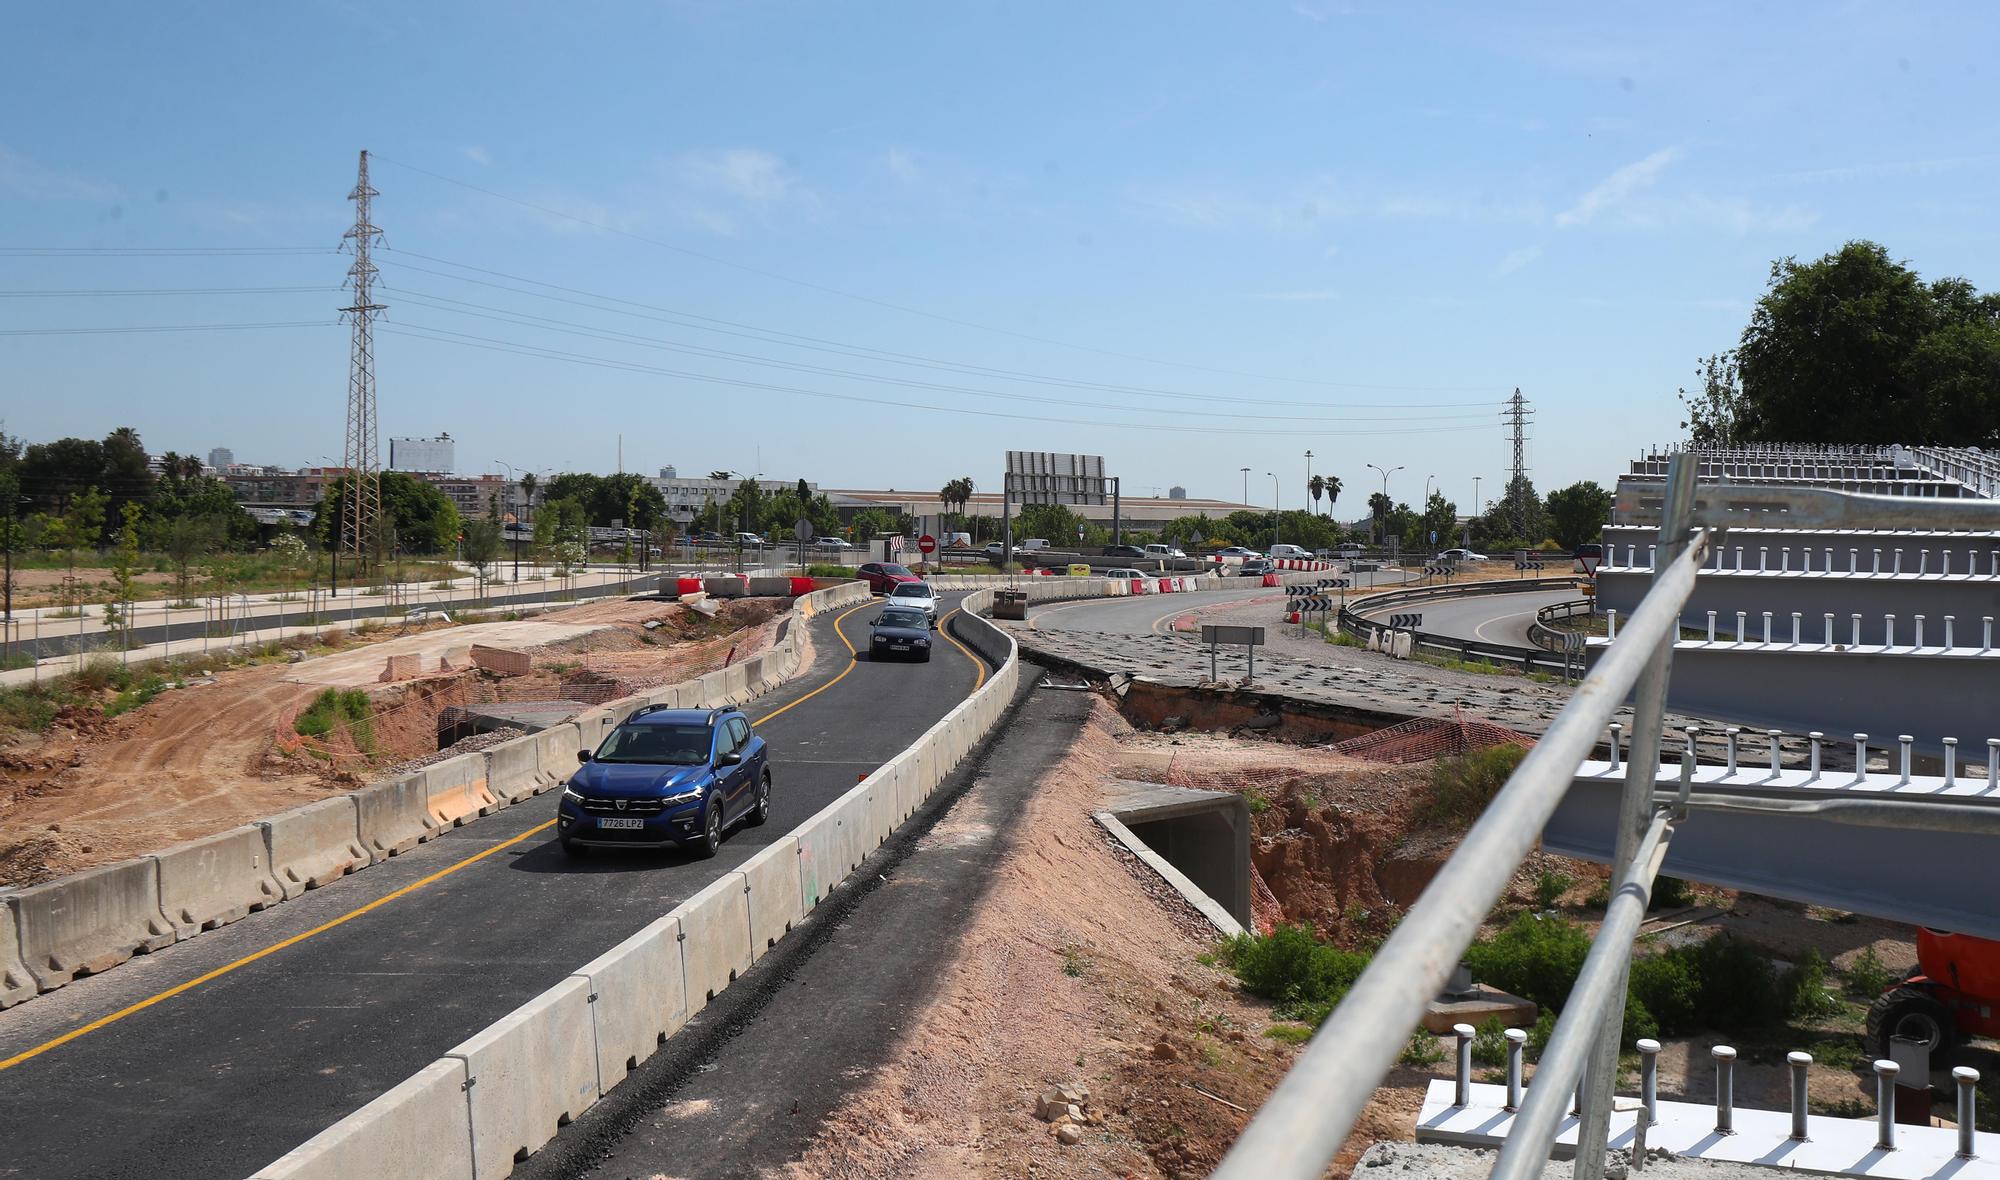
(1246, 487)
(1384, 517)
(1309, 480)
(1274, 509)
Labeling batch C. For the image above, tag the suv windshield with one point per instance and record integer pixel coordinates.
(672, 745)
(902, 618)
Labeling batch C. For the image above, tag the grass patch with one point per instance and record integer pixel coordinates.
(349, 710)
(1868, 976)
(1549, 888)
(1256, 801)
(1463, 785)
(1475, 667)
(1290, 1034)
(1422, 1049)
(827, 570)
(1292, 967)
(1075, 963)
(136, 696)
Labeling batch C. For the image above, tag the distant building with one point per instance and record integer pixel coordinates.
(1177, 493)
(221, 458)
(423, 456)
(473, 495)
(668, 472)
(687, 497)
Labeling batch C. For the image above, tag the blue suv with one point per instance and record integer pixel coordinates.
(667, 777)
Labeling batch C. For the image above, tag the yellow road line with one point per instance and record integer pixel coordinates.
(274, 948)
(851, 653)
(978, 664)
(350, 915)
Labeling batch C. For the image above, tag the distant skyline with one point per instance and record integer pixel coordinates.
(880, 246)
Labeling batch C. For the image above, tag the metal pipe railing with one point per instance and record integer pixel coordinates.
(1303, 1123)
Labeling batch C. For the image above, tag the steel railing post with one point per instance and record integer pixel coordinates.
(1635, 805)
(1800, 1063)
(1965, 1078)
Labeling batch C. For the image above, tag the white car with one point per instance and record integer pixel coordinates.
(1461, 555)
(920, 595)
(1121, 573)
(831, 543)
(1167, 552)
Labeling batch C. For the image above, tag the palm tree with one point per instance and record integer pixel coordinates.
(1315, 486)
(956, 493)
(528, 482)
(718, 475)
(1332, 485)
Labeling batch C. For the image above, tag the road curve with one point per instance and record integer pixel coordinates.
(1487, 618)
(215, 1056)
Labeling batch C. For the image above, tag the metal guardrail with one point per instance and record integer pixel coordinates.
(1310, 1114)
(1552, 660)
(1548, 638)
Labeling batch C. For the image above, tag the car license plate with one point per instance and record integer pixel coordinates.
(621, 823)
(899, 647)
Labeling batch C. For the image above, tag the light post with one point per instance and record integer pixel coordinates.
(1274, 509)
(1478, 510)
(1246, 486)
(1426, 509)
(1384, 517)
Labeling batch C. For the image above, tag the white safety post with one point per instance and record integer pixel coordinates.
(1860, 756)
(1885, 1104)
(1905, 741)
(1774, 735)
(1950, 763)
(1725, 1089)
(1800, 1062)
(1731, 734)
(1815, 737)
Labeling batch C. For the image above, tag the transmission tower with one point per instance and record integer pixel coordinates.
(1517, 414)
(361, 508)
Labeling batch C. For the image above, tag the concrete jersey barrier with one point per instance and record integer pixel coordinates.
(89, 921)
(513, 770)
(216, 879)
(315, 844)
(420, 1130)
(394, 817)
(456, 791)
(715, 938)
(639, 991)
(529, 1073)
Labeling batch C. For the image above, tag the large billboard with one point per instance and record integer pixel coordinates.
(1046, 477)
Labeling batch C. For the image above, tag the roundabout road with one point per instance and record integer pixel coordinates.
(1492, 618)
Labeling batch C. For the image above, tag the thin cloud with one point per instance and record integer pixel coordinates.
(477, 155)
(1515, 260)
(748, 174)
(1291, 296)
(1618, 186)
(27, 178)
(903, 166)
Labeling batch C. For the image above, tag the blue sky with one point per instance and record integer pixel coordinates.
(1351, 228)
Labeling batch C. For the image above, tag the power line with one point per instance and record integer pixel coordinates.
(81, 293)
(443, 336)
(162, 251)
(163, 328)
(864, 352)
(542, 323)
(883, 303)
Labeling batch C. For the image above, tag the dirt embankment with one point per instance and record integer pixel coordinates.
(221, 751)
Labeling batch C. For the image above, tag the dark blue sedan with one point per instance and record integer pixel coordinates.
(667, 778)
(900, 633)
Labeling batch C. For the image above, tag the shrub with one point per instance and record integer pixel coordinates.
(1489, 1043)
(1807, 984)
(825, 570)
(1535, 958)
(1462, 786)
(1670, 893)
(1549, 888)
(349, 709)
(27, 708)
(1423, 1049)
(1667, 987)
(100, 673)
(1304, 976)
(1868, 977)
(1290, 1034)
(136, 696)
(1538, 1036)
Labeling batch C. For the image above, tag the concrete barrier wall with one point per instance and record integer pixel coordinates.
(723, 587)
(641, 998)
(735, 684)
(771, 587)
(591, 727)
(555, 752)
(455, 790)
(514, 770)
(215, 880)
(527, 1074)
(715, 938)
(89, 921)
(830, 845)
(421, 1130)
(15, 982)
(315, 844)
(772, 877)
(393, 817)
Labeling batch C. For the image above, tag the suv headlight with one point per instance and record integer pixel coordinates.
(687, 796)
(570, 794)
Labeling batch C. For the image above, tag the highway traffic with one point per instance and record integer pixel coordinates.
(334, 998)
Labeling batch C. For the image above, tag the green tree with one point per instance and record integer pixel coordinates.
(290, 551)
(1577, 513)
(1054, 523)
(182, 490)
(1379, 505)
(186, 540)
(415, 514)
(1714, 408)
(1855, 347)
(529, 481)
(124, 568)
(482, 548)
(562, 521)
(870, 523)
(1440, 517)
(83, 526)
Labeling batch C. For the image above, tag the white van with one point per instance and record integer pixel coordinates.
(1163, 553)
(1031, 543)
(1289, 551)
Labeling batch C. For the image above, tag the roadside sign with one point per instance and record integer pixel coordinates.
(1589, 589)
(1590, 562)
(803, 530)
(927, 544)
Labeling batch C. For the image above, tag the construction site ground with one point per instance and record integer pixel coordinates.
(1078, 967)
(219, 750)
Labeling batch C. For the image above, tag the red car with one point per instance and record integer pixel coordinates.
(883, 576)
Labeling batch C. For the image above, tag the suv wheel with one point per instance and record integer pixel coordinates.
(711, 833)
(760, 811)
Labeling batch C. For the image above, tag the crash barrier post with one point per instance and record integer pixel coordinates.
(214, 880)
(89, 921)
(394, 816)
(527, 1075)
(315, 844)
(455, 790)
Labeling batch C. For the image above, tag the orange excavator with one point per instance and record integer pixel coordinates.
(1953, 993)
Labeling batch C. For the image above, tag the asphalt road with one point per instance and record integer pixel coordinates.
(1491, 618)
(214, 1056)
(1154, 614)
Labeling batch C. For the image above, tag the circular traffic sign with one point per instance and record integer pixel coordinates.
(927, 544)
(802, 530)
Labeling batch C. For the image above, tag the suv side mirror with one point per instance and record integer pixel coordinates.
(583, 755)
(732, 758)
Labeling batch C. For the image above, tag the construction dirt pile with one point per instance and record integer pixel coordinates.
(224, 750)
(1089, 984)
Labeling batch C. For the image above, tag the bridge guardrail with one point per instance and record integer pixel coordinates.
(1528, 659)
